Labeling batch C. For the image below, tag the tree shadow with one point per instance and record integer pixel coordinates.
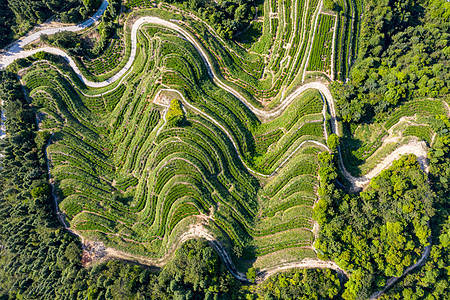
(350, 143)
(125, 200)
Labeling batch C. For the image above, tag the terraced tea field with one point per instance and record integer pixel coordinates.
(323, 45)
(127, 177)
(239, 161)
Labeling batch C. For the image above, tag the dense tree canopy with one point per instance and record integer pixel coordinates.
(197, 272)
(378, 233)
(432, 280)
(299, 284)
(403, 53)
(175, 115)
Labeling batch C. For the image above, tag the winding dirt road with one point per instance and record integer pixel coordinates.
(16, 51)
(416, 147)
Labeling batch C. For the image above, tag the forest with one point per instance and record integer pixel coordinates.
(432, 280)
(403, 54)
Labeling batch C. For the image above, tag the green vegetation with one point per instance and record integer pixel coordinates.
(399, 60)
(40, 260)
(382, 231)
(175, 115)
(226, 18)
(362, 142)
(400, 72)
(250, 35)
(139, 3)
(349, 13)
(329, 4)
(119, 171)
(19, 16)
(422, 107)
(333, 141)
(70, 41)
(299, 284)
(107, 60)
(431, 280)
(421, 131)
(165, 153)
(196, 272)
(108, 25)
(321, 51)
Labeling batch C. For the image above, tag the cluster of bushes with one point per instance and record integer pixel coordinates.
(432, 280)
(197, 272)
(80, 11)
(6, 22)
(67, 40)
(108, 26)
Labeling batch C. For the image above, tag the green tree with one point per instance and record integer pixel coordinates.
(329, 4)
(333, 141)
(251, 274)
(92, 4)
(175, 114)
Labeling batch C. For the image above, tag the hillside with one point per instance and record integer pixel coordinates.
(291, 134)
